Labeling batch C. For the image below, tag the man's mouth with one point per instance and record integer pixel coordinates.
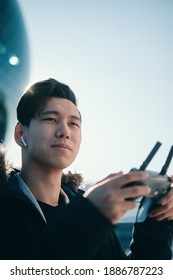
(61, 146)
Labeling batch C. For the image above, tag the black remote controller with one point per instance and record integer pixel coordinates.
(159, 182)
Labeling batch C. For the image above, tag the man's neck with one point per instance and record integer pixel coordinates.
(44, 185)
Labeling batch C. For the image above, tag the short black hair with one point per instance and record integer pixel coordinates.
(37, 95)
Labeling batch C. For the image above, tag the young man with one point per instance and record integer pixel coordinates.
(44, 217)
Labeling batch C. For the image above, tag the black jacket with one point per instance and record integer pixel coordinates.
(78, 231)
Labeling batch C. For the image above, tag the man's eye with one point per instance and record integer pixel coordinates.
(52, 120)
(74, 124)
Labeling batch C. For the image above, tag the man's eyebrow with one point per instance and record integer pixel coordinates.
(50, 113)
(75, 118)
(44, 113)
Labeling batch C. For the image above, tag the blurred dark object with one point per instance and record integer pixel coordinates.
(3, 118)
(14, 62)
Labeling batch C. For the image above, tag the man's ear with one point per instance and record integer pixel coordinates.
(19, 135)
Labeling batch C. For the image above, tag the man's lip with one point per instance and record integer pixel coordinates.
(61, 146)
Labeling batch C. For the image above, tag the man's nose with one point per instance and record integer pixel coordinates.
(62, 131)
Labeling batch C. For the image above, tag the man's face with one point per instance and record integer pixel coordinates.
(54, 136)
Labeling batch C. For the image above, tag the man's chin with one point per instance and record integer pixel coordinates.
(61, 166)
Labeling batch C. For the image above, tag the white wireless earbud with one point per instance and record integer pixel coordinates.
(23, 141)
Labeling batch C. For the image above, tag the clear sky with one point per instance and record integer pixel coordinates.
(117, 56)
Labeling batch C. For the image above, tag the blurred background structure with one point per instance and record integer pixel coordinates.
(14, 62)
(3, 117)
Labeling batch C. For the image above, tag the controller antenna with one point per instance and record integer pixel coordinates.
(150, 156)
(167, 162)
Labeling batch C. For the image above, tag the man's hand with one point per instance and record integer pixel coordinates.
(111, 199)
(165, 207)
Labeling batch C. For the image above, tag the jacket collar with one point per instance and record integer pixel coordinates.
(24, 188)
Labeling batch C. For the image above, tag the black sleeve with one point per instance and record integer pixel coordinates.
(152, 240)
(18, 229)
